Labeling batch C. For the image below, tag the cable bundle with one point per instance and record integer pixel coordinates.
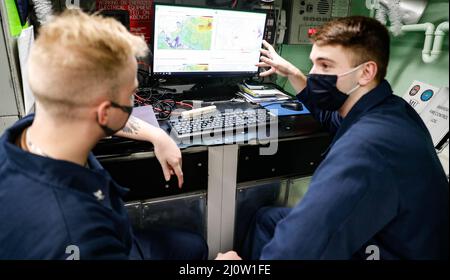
(390, 9)
(149, 93)
(43, 9)
(395, 17)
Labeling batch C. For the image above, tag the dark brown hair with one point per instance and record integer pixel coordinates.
(367, 38)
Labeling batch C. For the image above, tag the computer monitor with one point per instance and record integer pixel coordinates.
(206, 42)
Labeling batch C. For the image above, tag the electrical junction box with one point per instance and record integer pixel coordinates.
(306, 14)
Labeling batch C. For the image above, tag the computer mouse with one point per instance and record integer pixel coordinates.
(294, 106)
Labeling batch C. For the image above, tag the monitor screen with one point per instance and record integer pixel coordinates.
(206, 42)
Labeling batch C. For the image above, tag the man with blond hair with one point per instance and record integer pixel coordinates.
(56, 201)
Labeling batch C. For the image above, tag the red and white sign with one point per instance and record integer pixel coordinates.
(141, 14)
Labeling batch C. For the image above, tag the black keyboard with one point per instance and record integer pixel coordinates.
(220, 122)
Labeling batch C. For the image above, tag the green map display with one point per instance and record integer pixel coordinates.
(189, 33)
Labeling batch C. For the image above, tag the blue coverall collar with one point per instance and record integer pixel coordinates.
(59, 172)
(370, 100)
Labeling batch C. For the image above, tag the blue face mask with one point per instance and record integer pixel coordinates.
(323, 91)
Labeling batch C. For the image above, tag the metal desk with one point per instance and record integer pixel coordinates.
(213, 174)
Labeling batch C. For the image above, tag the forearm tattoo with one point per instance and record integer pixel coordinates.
(132, 126)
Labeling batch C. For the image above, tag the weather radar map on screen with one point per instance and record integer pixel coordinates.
(193, 41)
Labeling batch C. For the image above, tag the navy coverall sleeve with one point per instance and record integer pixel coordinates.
(329, 119)
(347, 203)
(102, 244)
(96, 231)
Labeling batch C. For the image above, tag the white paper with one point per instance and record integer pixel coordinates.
(146, 114)
(268, 92)
(435, 115)
(24, 43)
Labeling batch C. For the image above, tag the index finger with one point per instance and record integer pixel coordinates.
(266, 53)
(180, 176)
(267, 73)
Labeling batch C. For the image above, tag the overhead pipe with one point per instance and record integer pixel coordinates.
(411, 12)
(439, 35)
(434, 38)
(428, 28)
(398, 12)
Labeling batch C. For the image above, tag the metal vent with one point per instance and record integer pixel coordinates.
(323, 7)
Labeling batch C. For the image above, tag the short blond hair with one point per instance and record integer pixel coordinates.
(77, 57)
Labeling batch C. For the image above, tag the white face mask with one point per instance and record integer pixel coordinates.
(349, 72)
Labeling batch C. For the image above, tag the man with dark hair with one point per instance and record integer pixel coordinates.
(380, 191)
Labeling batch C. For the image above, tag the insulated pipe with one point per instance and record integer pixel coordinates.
(43, 10)
(393, 11)
(429, 32)
(372, 5)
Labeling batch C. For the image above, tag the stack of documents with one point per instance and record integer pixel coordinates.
(261, 95)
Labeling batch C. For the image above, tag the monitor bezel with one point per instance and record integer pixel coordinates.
(224, 74)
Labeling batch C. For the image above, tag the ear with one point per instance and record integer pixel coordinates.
(102, 112)
(369, 73)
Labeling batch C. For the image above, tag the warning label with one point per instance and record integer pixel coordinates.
(141, 14)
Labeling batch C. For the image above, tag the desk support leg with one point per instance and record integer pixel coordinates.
(221, 198)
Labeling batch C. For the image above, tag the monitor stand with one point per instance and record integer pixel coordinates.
(211, 92)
